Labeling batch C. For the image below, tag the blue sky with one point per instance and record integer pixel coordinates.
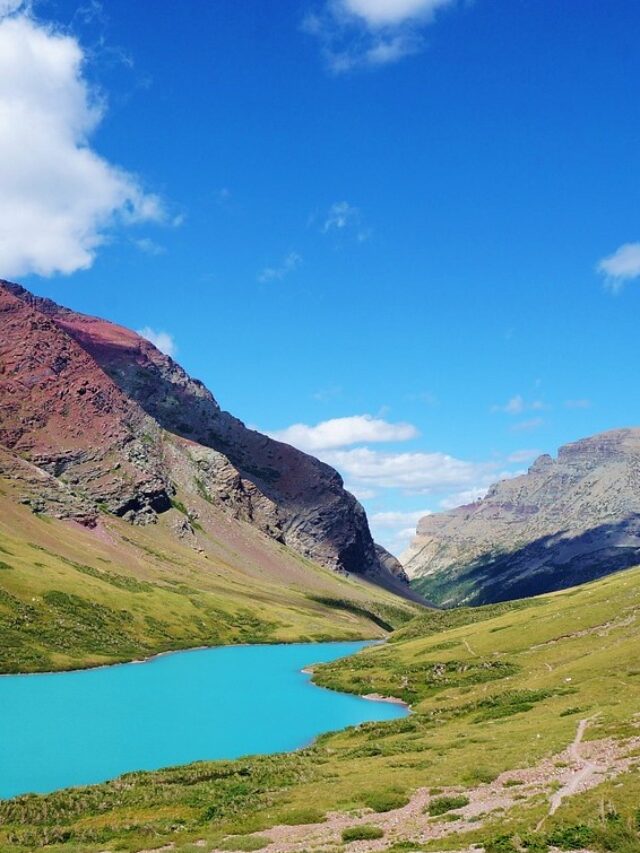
(409, 227)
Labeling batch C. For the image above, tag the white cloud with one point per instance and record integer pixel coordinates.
(343, 432)
(395, 530)
(396, 541)
(8, 7)
(463, 498)
(412, 472)
(370, 33)
(58, 198)
(620, 267)
(162, 340)
(289, 264)
(381, 13)
(393, 520)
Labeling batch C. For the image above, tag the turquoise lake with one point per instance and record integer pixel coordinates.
(77, 728)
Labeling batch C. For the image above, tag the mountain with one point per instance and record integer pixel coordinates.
(567, 521)
(134, 475)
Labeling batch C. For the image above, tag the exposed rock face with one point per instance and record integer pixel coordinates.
(122, 426)
(566, 521)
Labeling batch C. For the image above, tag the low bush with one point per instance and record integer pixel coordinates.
(480, 776)
(571, 837)
(366, 832)
(441, 805)
(385, 801)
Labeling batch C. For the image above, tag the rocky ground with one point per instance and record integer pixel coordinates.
(580, 767)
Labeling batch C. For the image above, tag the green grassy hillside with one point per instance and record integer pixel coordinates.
(497, 695)
(72, 598)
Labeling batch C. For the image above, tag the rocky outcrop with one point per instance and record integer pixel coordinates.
(567, 521)
(123, 426)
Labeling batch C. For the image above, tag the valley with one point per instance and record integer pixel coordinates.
(498, 694)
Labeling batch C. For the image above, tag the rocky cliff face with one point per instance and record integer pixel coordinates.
(120, 427)
(567, 521)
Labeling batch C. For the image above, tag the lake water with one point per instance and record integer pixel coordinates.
(77, 728)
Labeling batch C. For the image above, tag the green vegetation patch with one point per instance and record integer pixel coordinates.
(365, 832)
(245, 843)
(442, 805)
(385, 801)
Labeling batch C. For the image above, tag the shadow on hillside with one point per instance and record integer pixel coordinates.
(547, 564)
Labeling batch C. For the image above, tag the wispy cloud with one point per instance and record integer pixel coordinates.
(344, 432)
(290, 263)
(148, 246)
(162, 340)
(517, 405)
(620, 267)
(528, 425)
(346, 219)
(425, 397)
(523, 456)
(357, 34)
(330, 392)
(578, 404)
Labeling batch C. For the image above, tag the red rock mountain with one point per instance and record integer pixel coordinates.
(113, 425)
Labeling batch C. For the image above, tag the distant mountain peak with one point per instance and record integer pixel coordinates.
(568, 520)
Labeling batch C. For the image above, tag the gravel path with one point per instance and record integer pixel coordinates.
(578, 768)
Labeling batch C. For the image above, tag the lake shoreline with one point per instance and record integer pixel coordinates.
(277, 673)
(181, 650)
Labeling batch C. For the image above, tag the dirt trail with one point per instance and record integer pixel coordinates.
(569, 770)
(469, 649)
(578, 768)
(582, 771)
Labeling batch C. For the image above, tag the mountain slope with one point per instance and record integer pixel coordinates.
(566, 521)
(124, 430)
(73, 596)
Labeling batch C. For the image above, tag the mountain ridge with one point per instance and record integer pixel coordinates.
(128, 431)
(567, 520)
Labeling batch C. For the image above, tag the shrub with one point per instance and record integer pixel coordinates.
(480, 775)
(366, 832)
(571, 837)
(385, 801)
(441, 805)
(300, 817)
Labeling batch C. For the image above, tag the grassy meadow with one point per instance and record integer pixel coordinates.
(492, 689)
